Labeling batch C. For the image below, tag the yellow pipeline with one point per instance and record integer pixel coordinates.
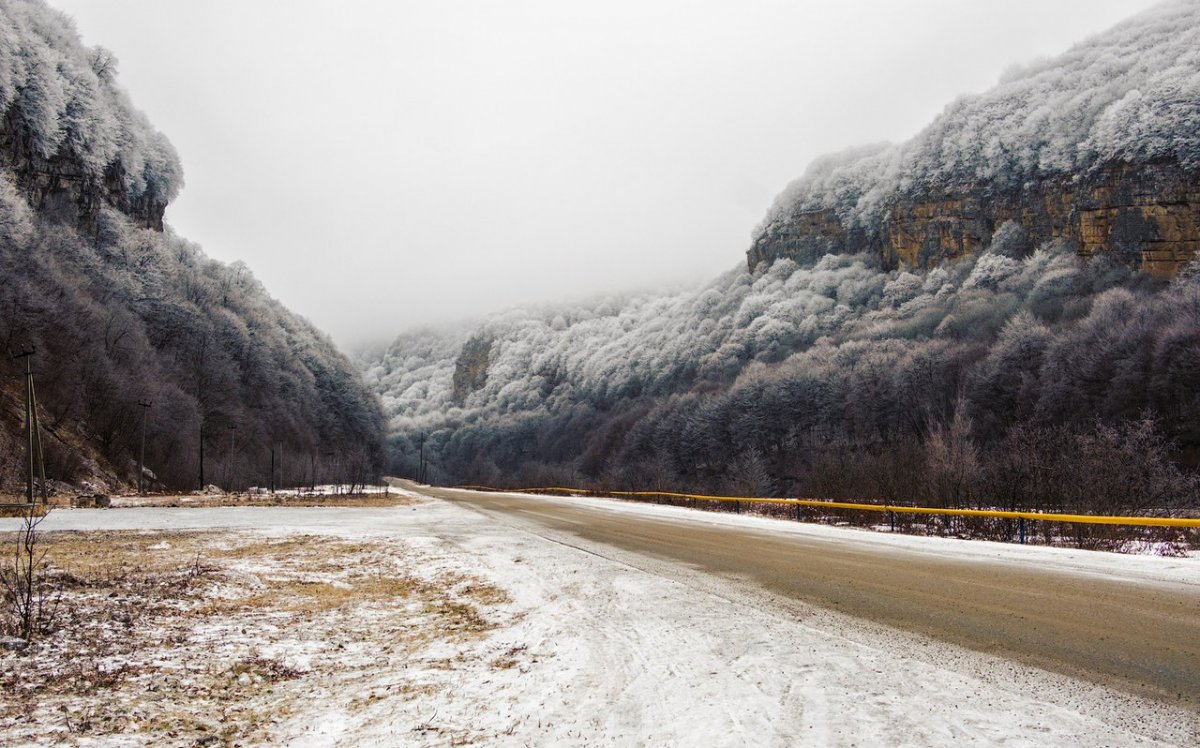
(1090, 519)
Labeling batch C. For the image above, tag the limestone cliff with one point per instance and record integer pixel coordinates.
(1147, 214)
(471, 368)
(71, 141)
(1099, 147)
(61, 186)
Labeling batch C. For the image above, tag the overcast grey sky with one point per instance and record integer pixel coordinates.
(382, 165)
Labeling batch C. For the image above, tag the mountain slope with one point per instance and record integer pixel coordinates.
(121, 311)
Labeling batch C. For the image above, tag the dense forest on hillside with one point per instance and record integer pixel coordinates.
(120, 311)
(838, 380)
(1021, 375)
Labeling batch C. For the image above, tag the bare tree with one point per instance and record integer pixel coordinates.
(749, 475)
(952, 458)
(30, 600)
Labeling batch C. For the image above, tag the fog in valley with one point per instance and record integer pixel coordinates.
(380, 166)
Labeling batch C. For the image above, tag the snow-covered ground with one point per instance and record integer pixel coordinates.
(601, 647)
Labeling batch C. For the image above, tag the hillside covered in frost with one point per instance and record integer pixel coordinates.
(120, 310)
(1019, 371)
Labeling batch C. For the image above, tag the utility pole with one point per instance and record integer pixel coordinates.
(232, 430)
(421, 463)
(201, 454)
(271, 483)
(33, 431)
(142, 455)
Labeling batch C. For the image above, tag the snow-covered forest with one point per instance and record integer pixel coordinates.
(1021, 375)
(838, 379)
(119, 313)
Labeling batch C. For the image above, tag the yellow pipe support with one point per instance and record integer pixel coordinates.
(1090, 519)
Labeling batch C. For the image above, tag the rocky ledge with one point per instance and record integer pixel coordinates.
(1148, 215)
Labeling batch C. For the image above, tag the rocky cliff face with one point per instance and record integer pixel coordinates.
(64, 188)
(1148, 215)
(71, 141)
(1099, 147)
(471, 368)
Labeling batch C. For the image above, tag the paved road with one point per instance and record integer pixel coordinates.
(1143, 638)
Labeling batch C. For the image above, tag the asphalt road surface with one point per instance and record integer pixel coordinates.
(1139, 637)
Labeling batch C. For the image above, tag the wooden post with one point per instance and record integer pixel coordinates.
(232, 458)
(421, 465)
(145, 404)
(33, 437)
(29, 434)
(201, 453)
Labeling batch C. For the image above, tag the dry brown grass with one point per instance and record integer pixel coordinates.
(508, 660)
(166, 630)
(17, 508)
(253, 499)
(474, 588)
(101, 556)
(309, 596)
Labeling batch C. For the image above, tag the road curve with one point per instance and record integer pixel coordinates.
(1142, 638)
